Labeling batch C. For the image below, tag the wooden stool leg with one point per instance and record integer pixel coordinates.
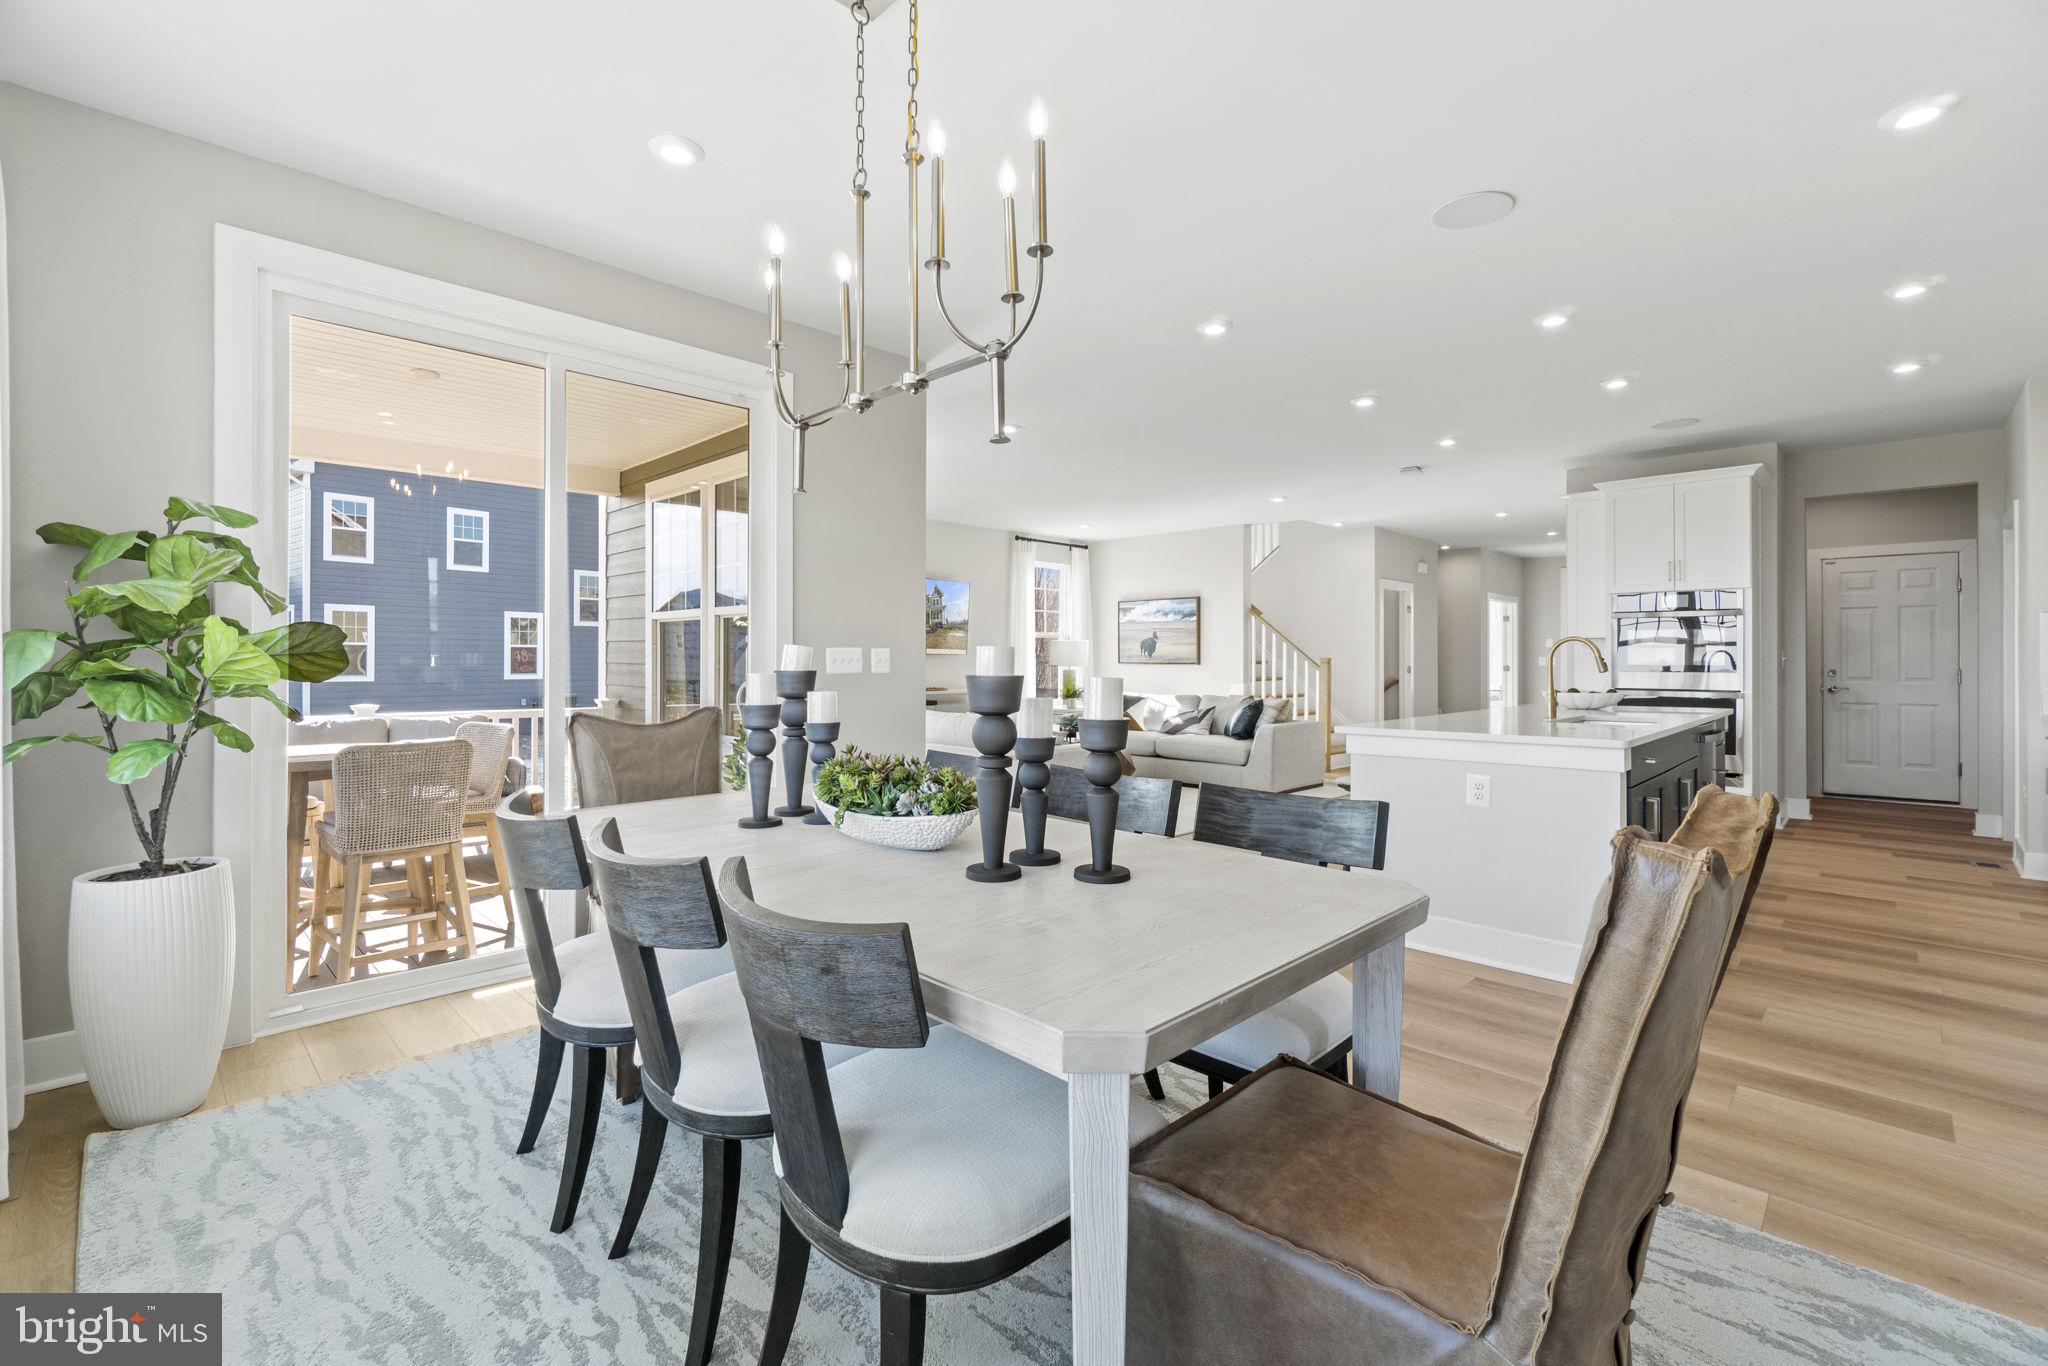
(504, 878)
(354, 872)
(458, 877)
(316, 916)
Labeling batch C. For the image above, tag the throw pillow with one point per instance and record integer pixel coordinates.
(1188, 722)
(1244, 722)
(1273, 715)
(1149, 713)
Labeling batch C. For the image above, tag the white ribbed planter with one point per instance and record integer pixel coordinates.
(152, 963)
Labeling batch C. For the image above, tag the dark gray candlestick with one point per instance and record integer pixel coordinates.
(791, 685)
(996, 697)
(759, 718)
(1103, 740)
(1032, 776)
(821, 735)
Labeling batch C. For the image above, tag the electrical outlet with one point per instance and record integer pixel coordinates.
(842, 659)
(878, 660)
(1478, 789)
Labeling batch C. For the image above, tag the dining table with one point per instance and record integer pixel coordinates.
(1092, 983)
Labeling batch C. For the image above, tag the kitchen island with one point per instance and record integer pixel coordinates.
(1506, 815)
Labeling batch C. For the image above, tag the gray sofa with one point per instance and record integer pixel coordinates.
(1281, 756)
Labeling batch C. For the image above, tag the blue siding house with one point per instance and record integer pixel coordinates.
(439, 589)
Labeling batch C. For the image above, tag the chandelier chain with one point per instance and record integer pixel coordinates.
(910, 136)
(860, 96)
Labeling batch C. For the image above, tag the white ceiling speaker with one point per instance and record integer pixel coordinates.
(1672, 424)
(1474, 210)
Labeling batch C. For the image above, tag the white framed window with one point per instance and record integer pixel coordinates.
(1048, 612)
(349, 528)
(522, 645)
(469, 540)
(358, 625)
(589, 598)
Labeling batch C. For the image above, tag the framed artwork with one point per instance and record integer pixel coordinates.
(945, 616)
(1159, 631)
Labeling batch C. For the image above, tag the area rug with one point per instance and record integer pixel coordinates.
(386, 1220)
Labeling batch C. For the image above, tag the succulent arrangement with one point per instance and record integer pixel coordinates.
(891, 785)
(734, 766)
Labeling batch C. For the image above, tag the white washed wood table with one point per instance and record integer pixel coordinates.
(1094, 984)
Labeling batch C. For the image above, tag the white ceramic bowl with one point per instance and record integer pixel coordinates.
(1587, 701)
(900, 832)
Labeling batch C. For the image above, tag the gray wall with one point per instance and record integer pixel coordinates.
(1465, 578)
(1899, 517)
(1542, 618)
(1407, 559)
(110, 260)
(981, 556)
(1209, 564)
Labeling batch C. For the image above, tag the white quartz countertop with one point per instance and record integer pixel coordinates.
(1620, 730)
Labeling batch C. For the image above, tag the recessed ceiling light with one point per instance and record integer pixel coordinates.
(1336, 524)
(1912, 366)
(1913, 289)
(1616, 384)
(1365, 400)
(1443, 547)
(1556, 318)
(1672, 424)
(1474, 210)
(1500, 514)
(1447, 442)
(1919, 113)
(422, 372)
(1550, 533)
(1215, 327)
(1276, 498)
(673, 149)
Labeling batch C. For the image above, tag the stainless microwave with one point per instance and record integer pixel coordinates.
(1691, 641)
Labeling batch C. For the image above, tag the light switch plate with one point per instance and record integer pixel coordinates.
(1478, 790)
(878, 660)
(842, 659)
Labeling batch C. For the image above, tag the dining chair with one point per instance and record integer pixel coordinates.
(624, 761)
(1315, 1022)
(490, 746)
(929, 1165)
(393, 804)
(698, 1065)
(578, 993)
(946, 758)
(1299, 1220)
(1144, 806)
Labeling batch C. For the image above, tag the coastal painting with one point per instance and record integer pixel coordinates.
(945, 616)
(1159, 631)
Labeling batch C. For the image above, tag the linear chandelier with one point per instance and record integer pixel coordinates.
(854, 394)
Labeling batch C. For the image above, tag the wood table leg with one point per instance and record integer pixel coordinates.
(1098, 1174)
(1376, 1019)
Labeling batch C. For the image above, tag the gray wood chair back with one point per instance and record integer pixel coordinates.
(543, 853)
(649, 904)
(808, 983)
(1351, 833)
(623, 761)
(945, 758)
(1144, 806)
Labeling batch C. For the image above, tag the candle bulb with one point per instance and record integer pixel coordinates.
(1007, 180)
(844, 268)
(774, 279)
(821, 708)
(1038, 164)
(994, 660)
(1103, 699)
(1035, 723)
(938, 193)
(760, 689)
(797, 657)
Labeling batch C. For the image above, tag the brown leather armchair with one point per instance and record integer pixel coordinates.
(625, 761)
(1296, 1220)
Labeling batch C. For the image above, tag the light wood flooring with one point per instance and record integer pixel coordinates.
(1874, 1082)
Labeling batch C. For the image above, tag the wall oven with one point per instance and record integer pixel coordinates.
(1685, 650)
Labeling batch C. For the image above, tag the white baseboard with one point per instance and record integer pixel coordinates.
(1795, 809)
(1988, 827)
(1497, 948)
(51, 1060)
(2029, 865)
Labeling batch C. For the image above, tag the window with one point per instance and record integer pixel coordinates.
(359, 637)
(698, 538)
(469, 540)
(522, 645)
(1048, 595)
(589, 598)
(351, 534)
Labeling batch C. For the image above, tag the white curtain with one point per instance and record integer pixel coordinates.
(10, 939)
(1023, 563)
(1078, 616)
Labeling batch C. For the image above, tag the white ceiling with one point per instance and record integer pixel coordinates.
(1706, 184)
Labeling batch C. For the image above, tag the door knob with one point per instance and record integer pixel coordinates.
(1836, 687)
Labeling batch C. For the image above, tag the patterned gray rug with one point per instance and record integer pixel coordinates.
(385, 1220)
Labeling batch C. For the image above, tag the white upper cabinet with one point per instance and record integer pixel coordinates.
(1713, 534)
(1644, 538)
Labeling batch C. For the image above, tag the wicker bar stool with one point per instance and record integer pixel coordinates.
(393, 804)
(490, 745)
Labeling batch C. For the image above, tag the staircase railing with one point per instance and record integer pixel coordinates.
(1281, 668)
(1264, 540)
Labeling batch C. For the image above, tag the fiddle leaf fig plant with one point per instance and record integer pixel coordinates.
(149, 650)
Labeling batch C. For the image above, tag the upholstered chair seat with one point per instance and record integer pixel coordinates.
(723, 1076)
(1307, 1024)
(594, 998)
(953, 1151)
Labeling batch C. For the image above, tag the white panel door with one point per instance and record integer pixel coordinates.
(1892, 683)
(1713, 534)
(1644, 554)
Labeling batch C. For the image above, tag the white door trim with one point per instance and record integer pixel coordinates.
(254, 278)
(1511, 686)
(1379, 638)
(1966, 648)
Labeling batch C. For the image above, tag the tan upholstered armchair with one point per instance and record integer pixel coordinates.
(1296, 1221)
